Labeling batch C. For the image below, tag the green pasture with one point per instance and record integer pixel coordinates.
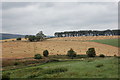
(85, 68)
(112, 42)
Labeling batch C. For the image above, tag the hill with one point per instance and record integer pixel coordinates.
(22, 49)
(9, 36)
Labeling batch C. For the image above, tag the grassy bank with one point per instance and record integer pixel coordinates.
(86, 68)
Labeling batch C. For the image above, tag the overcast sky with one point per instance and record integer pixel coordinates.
(50, 17)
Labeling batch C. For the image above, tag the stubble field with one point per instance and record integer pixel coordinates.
(55, 46)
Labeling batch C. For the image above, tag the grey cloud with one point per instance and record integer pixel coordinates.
(8, 5)
(29, 18)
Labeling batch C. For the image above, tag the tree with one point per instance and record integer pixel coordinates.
(18, 39)
(71, 53)
(26, 36)
(45, 53)
(40, 36)
(91, 52)
(32, 38)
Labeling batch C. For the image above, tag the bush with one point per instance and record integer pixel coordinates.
(6, 76)
(71, 53)
(37, 56)
(45, 53)
(99, 65)
(32, 76)
(115, 55)
(91, 52)
(16, 63)
(101, 55)
(55, 70)
(18, 39)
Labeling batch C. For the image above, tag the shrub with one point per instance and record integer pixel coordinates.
(32, 76)
(91, 52)
(115, 55)
(45, 53)
(18, 39)
(71, 53)
(101, 55)
(37, 56)
(6, 76)
(16, 63)
(55, 70)
(99, 65)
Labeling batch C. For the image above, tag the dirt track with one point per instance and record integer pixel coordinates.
(22, 49)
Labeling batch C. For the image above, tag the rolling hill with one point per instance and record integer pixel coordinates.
(9, 36)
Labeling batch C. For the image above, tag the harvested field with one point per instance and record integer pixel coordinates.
(84, 38)
(22, 49)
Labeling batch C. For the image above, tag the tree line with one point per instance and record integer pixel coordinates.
(87, 33)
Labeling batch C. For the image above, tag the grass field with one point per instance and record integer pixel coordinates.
(113, 42)
(86, 68)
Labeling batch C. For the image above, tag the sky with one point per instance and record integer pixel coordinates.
(31, 17)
